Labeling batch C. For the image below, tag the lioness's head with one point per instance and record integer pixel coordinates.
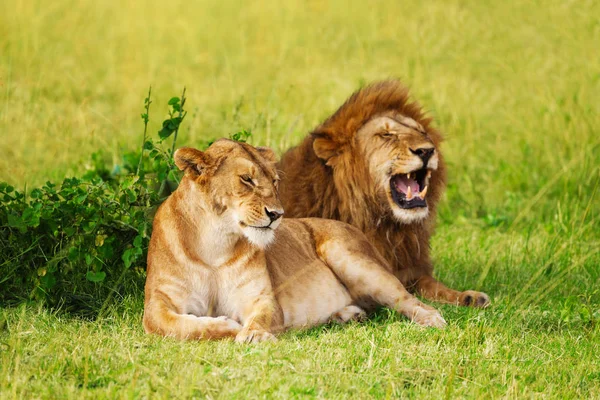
(238, 183)
(379, 129)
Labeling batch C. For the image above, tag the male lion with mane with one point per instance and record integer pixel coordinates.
(222, 261)
(376, 164)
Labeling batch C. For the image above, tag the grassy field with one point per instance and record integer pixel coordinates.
(515, 86)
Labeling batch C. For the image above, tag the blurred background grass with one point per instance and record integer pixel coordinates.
(512, 85)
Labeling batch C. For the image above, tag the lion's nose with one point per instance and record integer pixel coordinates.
(424, 154)
(273, 215)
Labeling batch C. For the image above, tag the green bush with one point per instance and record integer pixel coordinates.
(78, 244)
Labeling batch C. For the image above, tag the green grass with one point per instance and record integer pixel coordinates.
(515, 86)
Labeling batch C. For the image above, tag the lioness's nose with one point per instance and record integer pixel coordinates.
(424, 153)
(273, 215)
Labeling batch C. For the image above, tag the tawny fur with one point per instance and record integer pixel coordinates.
(220, 265)
(333, 174)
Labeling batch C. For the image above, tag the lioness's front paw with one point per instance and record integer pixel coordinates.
(254, 336)
(471, 298)
(428, 318)
(230, 323)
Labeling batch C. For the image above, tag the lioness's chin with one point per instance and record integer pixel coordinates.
(409, 216)
(260, 237)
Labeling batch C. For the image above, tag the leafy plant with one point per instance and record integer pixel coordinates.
(76, 244)
(579, 310)
(241, 136)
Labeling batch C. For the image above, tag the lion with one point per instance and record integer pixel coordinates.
(224, 263)
(376, 164)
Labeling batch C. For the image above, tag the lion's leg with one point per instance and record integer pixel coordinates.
(159, 318)
(356, 265)
(348, 313)
(432, 289)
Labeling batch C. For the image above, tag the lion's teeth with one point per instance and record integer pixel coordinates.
(409, 175)
(409, 193)
(428, 174)
(423, 192)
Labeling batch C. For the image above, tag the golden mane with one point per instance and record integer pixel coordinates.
(368, 102)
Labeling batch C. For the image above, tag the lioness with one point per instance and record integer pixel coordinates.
(222, 261)
(376, 164)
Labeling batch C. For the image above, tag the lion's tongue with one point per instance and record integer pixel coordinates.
(402, 183)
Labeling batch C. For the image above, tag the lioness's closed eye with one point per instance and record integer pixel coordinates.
(223, 262)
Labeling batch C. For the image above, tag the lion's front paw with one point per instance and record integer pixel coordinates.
(428, 318)
(254, 336)
(471, 298)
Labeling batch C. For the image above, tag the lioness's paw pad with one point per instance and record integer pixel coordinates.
(472, 298)
(255, 336)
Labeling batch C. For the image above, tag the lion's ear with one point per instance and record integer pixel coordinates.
(325, 148)
(267, 153)
(192, 160)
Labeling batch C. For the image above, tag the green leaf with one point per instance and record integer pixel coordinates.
(89, 226)
(95, 276)
(81, 198)
(31, 216)
(15, 221)
(106, 251)
(131, 195)
(173, 101)
(129, 181)
(48, 281)
(128, 257)
(165, 132)
(73, 254)
(99, 240)
(241, 136)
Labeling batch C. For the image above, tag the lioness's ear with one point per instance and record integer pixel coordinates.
(267, 153)
(325, 148)
(188, 159)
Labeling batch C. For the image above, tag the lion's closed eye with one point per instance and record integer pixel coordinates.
(388, 135)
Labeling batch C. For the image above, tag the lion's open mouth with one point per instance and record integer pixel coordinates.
(409, 190)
